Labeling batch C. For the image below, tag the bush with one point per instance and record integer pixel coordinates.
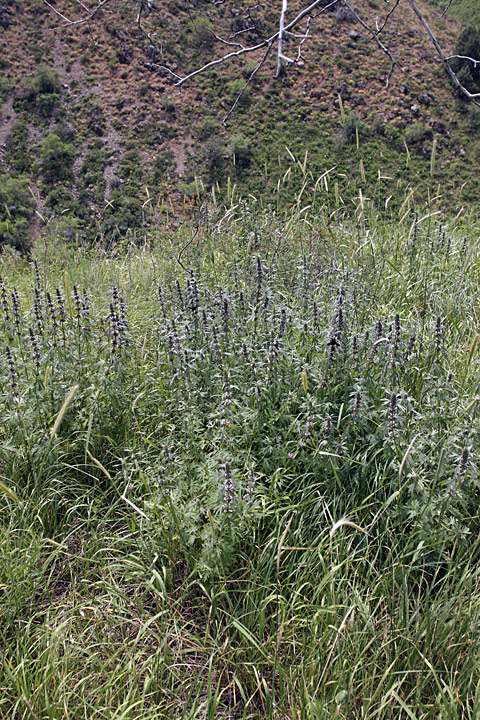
(208, 127)
(468, 45)
(17, 155)
(351, 124)
(343, 14)
(203, 34)
(123, 213)
(59, 198)
(56, 159)
(5, 87)
(16, 210)
(214, 156)
(473, 117)
(417, 133)
(235, 87)
(162, 165)
(39, 94)
(96, 122)
(241, 151)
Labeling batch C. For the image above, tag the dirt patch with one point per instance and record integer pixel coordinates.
(7, 120)
(113, 140)
(181, 153)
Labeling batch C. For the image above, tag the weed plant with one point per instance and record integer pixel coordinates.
(239, 474)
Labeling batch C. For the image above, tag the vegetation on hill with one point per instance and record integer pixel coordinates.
(467, 11)
(239, 472)
(92, 119)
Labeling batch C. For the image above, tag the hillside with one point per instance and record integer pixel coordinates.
(97, 139)
(462, 10)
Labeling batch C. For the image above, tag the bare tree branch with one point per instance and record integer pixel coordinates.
(464, 57)
(264, 43)
(225, 42)
(387, 18)
(240, 32)
(447, 8)
(305, 37)
(85, 19)
(281, 29)
(218, 61)
(240, 94)
(375, 34)
(308, 11)
(179, 256)
(79, 2)
(57, 12)
(462, 88)
(167, 69)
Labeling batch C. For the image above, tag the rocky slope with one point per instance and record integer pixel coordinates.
(97, 138)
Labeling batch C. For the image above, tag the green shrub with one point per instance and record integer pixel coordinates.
(468, 45)
(352, 124)
(235, 87)
(16, 210)
(162, 165)
(473, 117)
(60, 198)
(241, 151)
(39, 94)
(130, 167)
(96, 119)
(123, 213)
(214, 156)
(203, 36)
(18, 155)
(208, 127)
(56, 159)
(5, 87)
(417, 133)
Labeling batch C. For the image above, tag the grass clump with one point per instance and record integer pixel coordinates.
(239, 473)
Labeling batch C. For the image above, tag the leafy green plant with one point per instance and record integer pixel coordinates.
(247, 450)
(17, 206)
(468, 46)
(56, 159)
(40, 93)
(18, 154)
(203, 33)
(417, 133)
(241, 151)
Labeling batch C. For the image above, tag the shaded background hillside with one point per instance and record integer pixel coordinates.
(96, 140)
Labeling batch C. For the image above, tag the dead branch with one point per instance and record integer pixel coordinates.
(305, 37)
(443, 57)
(218, 61)
(91, 14)
(164, 67)
(179, 256)
(264, 43)
(285, 29)
(240, 94)
(241, 32)
(447, 8)
(375, 34)
(281, 30)
(223, 41)
(465, 57)
(387, 18)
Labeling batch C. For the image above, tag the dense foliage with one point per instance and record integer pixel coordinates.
(243, 442)
(17, 205)
(467, 66)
